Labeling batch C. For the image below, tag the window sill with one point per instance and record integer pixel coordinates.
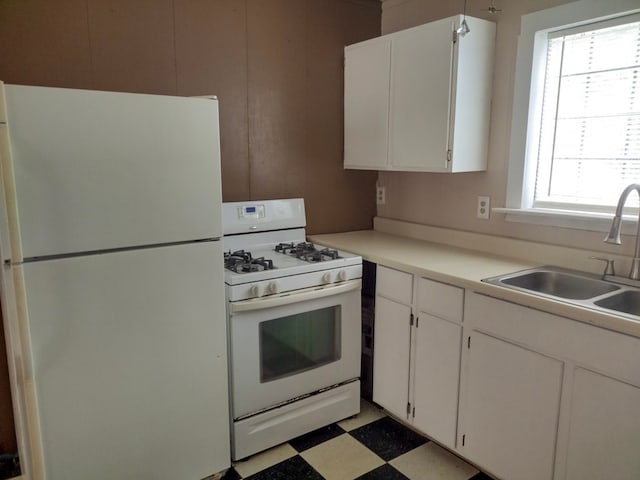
(595, 222)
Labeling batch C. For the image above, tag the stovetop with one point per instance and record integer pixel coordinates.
(265, 262)
(244, 261)
(264, 241)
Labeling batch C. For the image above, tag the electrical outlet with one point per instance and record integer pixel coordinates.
(380, 195)
(484, 205)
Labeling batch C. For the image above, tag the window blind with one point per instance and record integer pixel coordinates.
(589, 142)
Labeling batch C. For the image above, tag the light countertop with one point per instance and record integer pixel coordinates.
(463, 267)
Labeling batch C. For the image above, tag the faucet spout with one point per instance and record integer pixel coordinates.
(614, 233)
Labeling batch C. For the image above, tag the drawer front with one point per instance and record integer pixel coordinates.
(394, 284)
(440, 300)
(605, 351)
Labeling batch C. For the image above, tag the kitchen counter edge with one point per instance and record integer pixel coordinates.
(463, 268)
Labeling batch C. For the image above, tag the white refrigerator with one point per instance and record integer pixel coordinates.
(112, 284)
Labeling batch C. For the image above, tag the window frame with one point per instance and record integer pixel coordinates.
(529, 78)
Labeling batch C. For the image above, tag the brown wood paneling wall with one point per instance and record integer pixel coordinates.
(275, 65)
(7, 433)
(211, 53)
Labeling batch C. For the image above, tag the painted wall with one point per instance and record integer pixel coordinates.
(447, 200)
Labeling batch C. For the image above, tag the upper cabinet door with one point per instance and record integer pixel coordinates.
(366, 104)
(420, 97)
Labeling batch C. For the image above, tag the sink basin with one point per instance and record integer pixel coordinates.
(627, 301)
(613, 295)
(558, 283)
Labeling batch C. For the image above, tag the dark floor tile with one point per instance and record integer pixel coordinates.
(292, 468)
(385, 472)
(481, 476)
(311, 439)
(388, 438)
(231, 474)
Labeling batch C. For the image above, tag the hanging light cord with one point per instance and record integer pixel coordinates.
(463, 29)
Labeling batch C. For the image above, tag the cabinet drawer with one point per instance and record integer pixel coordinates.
(606, 351)
(394, 284)
(441, 300)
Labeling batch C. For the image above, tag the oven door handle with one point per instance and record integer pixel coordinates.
(293, 297)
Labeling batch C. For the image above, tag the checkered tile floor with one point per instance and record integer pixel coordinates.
(370, 446)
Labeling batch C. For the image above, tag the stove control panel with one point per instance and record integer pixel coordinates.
(292, 283)
(251, 211)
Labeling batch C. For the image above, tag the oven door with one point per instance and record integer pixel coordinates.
(290, 345)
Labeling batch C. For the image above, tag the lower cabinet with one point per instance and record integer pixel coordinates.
(604, 428)
(391, 355)
(511, 408)
(523, 394)
(547, 397)
(436, 378)
(417, 352)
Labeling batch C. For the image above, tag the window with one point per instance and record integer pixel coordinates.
(589, 138)
(576, 118)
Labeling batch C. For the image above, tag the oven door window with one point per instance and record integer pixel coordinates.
(300, 342)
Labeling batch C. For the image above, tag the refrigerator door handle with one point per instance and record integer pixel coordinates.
(10, 246)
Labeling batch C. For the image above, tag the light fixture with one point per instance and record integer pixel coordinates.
(463, 29)
(492, 9)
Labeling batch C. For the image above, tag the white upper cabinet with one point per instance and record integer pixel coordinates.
(366, 112)
(419, 99)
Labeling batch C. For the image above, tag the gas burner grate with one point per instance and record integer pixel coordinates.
(241, 261)
(320, 255)
(307, 251)
(285, 247)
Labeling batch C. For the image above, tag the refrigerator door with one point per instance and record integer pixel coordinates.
(101, 170)
(129, 361)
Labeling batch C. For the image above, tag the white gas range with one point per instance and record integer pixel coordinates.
(294, 323)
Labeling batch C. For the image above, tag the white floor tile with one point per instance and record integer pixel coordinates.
(341, 458)
(368, 413)
(431, 462)
(264, 460)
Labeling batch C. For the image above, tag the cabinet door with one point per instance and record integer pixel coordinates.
(366, 104)
(420, 97)
(604, 433)
(392, 340)
(511, 407)
(436, 377)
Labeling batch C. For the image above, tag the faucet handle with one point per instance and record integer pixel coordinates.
(609, 268)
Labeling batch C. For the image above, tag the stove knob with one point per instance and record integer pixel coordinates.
(342, 275)
(255, 290)
(273, 287)
(326, 278)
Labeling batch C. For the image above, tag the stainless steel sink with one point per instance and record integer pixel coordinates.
(556, 282)
(575, 288)
(627, 301)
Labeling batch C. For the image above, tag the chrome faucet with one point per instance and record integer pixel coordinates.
(614, 233)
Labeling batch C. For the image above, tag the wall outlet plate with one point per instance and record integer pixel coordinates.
(380, 195)
(484, 207)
